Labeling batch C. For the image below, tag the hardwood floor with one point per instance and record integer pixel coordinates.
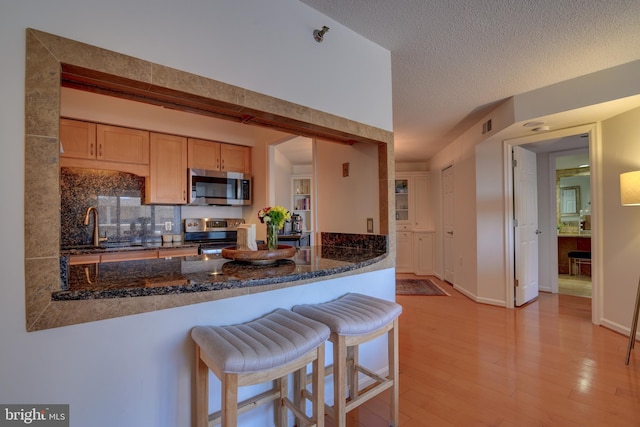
(545, 364)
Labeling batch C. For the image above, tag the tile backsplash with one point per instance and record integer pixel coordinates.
(118, 196)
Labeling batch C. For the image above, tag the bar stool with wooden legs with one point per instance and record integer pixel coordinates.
(266, 349)
(355, 319)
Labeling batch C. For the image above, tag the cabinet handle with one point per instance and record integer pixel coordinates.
(91, 150)
(450, 232)
(100, 150)
(222, 164)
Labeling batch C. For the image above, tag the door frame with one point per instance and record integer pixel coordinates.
(595, 150)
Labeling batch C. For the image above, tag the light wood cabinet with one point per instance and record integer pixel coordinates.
(167, 180)
(123, 145)
(97, 146)
(235, 158)
(203, 154)
(404, 252)
(423, 263)
(77, 139)
(216, 156)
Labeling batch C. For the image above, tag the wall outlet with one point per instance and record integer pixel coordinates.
(369, 225)
(168, 226)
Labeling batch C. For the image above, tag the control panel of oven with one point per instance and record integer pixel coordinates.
(192, 225)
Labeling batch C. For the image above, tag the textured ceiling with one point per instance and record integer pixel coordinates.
(454, 60)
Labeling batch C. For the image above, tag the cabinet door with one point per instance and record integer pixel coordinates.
(77, 139)
(204, 154)
(404, 200)
(423, 253)
(235, 158)
(404, 252)
(421, 205)
(124, 145)
(167, 181)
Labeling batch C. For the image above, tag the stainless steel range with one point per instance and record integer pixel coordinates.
(212, 234)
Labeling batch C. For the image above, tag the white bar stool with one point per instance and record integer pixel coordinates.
(355, 319)
(265, 349)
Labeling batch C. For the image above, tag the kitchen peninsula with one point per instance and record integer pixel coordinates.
(202, 273)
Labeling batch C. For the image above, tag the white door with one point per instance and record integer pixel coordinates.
(448, 224)
(525, 201)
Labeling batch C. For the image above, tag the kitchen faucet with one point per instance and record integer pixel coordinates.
(96, 232)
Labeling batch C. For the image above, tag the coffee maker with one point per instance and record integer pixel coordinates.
(296, 223)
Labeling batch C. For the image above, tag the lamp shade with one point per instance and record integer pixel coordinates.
(630, 188)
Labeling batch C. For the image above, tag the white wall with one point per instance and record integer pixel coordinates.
(136, 370)
(345, 203)
(621, 228)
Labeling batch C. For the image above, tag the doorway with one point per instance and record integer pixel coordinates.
(549, 142)
(572, 188)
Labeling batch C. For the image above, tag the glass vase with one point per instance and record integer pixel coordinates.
(272, 236)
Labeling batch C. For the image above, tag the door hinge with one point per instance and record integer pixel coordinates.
(517, 283)
(515, 222)
(515, 163)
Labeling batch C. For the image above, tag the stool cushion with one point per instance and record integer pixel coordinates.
(580, 254)
(352, 314)
(274, 340)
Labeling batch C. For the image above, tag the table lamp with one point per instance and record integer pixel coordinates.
(630, 196)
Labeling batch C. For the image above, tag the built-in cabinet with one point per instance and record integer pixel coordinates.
(167, 180)
(301, 200)
(98, 146)
(414, 226)
(216, 156)
(161, 158)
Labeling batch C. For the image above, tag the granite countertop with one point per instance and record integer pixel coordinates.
(123, 247)
(203, 273)
(293, 236)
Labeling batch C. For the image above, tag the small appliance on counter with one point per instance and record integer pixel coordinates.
(296, 224)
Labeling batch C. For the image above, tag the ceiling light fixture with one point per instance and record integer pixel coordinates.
(541, 129)
(319, 34)
(533, 124)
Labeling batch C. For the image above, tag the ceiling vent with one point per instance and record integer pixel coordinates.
(486, 127)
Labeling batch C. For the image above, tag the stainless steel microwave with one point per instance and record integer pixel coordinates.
(219, 188)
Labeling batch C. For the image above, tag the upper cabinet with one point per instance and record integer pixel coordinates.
(235, 158)
(217, 156)
(163, 159)
(90, 145)
(413, 210)
(124, 145)
(204, 154)
(77, 139)
(167, 180)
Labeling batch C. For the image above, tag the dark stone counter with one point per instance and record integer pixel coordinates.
(205, 273)
(123, 247)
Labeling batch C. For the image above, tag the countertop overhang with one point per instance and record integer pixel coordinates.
(183, 275)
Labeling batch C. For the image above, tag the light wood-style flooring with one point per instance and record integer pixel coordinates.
(545, 364)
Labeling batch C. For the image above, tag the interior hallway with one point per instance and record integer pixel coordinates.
(544, 364)
(579, 285)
